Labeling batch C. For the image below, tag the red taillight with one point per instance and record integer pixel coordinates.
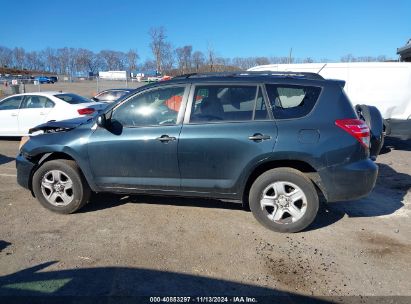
(356, 128)
(86, 111)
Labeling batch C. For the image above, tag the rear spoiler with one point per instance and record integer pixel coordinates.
(340, 82)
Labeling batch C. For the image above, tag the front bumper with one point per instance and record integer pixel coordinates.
(399, 128)
(24, 171)
(349, 181)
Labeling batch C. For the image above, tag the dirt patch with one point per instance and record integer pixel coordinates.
(296, 265)
(381, 246)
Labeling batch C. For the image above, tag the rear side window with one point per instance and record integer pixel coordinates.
(227, 103)
(290, 101)
(72, 98)
(36, 102)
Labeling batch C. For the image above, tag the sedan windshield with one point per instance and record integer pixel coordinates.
(73, 98)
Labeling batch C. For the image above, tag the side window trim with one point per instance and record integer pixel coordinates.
(26, 97)
(267, 102)
(181, 110)
(271, 112)
(255, 102)
(259, 86)
(48, 100)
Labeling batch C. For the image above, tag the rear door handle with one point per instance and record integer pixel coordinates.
(13, 114)
(165, 138)
(259, 137)
(42, 113)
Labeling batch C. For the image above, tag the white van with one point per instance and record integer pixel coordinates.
(385, 85)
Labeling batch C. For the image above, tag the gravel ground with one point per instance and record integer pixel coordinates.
(141, 245)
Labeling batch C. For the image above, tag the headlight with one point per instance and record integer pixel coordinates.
(23, 140)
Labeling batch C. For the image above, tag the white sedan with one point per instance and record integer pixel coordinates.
(19, 113)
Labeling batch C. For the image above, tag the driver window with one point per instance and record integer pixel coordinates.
(155, 107)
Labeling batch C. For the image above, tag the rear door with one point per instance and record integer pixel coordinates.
(33, 111)
(226, 129)
(9, 109)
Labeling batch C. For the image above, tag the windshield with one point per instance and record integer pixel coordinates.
(73, 98)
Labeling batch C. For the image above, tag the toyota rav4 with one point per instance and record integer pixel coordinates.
(278, 142)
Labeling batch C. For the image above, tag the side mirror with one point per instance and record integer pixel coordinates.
(101, 121)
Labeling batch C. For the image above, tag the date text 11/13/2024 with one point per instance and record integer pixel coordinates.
(203, 300)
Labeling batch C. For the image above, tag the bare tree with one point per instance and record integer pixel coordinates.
(348, 58)
(211, 58)
(18, 57)
(159, 46)
(87, 61)
(149, 65)
(63, 57)
(168, 58)
(33, 61)
(262, 61)
(198, 60)
(184, 58)
(132, 57)
(6, 56)
(50, 59)
(244, 63)
(113, 60)
(308, 60)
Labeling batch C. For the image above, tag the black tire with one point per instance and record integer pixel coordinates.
(287, 175)
(80, 189)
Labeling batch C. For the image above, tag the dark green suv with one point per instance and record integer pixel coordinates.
(273, 141)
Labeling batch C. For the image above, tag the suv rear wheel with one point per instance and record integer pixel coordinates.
(284, 200)
(60, 186)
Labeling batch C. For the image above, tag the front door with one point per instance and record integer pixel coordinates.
(9, 110)
(33, 112)
(139, 148)
(229, 129)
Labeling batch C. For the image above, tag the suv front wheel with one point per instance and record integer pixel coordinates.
(284, 200)
(60, 186)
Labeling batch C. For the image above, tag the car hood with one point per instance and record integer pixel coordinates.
(61, 125)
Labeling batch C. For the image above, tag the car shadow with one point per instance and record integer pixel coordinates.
(392, 143)
(4, 245)
(386, 198)
(109, 200)
(10, 138)
(5, 159)
(127, 285)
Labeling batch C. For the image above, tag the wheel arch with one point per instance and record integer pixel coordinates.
(48, 156)
(299, 165)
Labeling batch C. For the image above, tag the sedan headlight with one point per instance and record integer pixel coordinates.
(23, 140)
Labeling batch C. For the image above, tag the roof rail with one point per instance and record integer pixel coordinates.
(306, 75)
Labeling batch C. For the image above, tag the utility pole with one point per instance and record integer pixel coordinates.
(289, 57)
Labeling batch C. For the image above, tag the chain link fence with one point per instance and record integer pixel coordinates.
(87, 87)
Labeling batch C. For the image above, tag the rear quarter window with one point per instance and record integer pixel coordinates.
(73, 98)
(292, 101)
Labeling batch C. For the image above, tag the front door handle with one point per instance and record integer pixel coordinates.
(259, 137)
(13, 114)
(165, 138)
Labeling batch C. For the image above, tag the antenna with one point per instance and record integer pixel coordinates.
(321, 68)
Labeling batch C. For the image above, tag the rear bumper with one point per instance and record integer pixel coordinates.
(24, 171)
(349, 181)
(400, 128)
